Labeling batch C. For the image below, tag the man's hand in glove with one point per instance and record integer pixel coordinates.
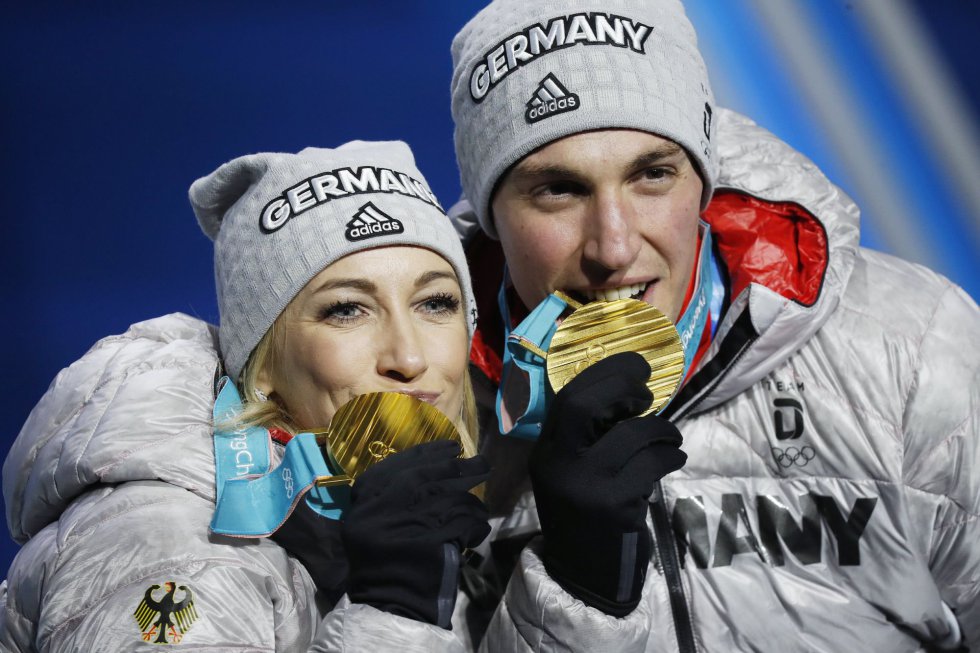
(592, 470)
(410, 516)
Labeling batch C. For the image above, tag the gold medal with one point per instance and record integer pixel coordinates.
(372, 426)
(600, 329)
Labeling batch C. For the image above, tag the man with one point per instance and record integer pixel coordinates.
(831, 493)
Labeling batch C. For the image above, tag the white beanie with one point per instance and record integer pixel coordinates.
(278, 219)
(529, 72)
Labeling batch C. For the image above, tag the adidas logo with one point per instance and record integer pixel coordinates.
(371, 221)
(549, 99)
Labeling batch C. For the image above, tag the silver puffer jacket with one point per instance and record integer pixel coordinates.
(110, 487)
(831, 498)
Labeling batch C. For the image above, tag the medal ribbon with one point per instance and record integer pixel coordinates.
(252, 499)
(526, 347)
(533, 333)
(242, 453)
(691, 324)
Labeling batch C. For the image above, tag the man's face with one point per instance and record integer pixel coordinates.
(601, 215)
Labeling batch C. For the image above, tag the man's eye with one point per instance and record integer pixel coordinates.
(560, 188)
(656, 174)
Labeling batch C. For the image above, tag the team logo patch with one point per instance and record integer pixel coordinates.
(550, 98)
(787, 418)
(370, 221)
(162, 618)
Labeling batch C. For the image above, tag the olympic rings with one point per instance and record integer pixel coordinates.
(793, 456)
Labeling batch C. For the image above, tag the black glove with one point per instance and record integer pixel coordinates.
(592, 471)
(410, 516)
(315, 540)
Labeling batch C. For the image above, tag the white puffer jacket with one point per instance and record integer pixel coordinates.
(110, 487)
(831, 498)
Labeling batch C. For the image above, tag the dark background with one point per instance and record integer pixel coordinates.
(109, 110)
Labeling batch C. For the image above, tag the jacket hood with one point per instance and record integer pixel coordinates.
(788, 238)
(135, 407)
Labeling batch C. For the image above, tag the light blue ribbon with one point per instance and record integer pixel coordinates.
(242, 453)
(537, 328)
(691, 324)
(252, 499)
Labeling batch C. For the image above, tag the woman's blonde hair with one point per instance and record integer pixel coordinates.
(259, 410)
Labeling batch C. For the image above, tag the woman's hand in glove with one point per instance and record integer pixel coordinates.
(315, 540)
(592, 470)
(410, 516)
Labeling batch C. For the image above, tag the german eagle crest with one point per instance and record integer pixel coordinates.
(164, 620)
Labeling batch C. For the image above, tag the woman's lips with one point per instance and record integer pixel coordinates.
(421, 395)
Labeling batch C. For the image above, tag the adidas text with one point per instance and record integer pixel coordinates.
(359, 233)
(555, 106)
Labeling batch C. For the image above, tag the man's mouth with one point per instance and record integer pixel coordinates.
(631, 291)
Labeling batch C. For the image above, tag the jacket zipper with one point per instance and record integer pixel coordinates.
(670, 564)
(707, 391)
(664, 534)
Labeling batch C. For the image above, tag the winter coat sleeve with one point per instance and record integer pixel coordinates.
(349, 628)
(536, 614)
(942, 431)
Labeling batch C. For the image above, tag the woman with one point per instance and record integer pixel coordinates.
(337, 274)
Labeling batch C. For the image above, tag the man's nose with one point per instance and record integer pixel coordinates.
(612, 239)
(401, 355)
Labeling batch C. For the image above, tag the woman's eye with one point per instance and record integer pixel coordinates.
(441, 304)
(342, 312)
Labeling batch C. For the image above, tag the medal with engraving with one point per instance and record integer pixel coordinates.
(372, 426)
(600, 329)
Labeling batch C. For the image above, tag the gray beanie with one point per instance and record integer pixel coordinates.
(278, 219)
(529, 72)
